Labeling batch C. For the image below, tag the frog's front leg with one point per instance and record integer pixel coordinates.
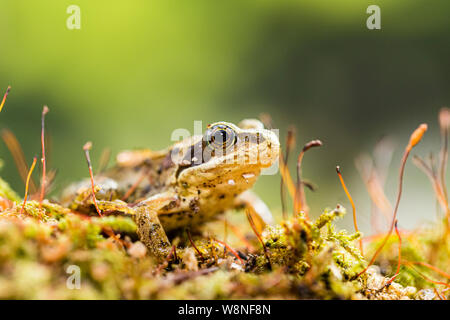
(150, 230)
(145, 213)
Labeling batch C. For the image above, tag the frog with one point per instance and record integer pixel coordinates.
(185, 185)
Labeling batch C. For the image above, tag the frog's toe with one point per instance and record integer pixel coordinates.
(79, 195)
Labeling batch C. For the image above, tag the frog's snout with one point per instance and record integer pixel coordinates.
(271, 149)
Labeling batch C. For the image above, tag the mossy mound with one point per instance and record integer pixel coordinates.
(43, 250)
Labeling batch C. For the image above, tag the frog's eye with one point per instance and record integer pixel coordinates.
(220, 136)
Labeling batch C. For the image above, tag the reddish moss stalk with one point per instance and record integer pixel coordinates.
(86, 149)
(425, 277)
(4, 98)
(252, 224)
(399, 263)
(431, 267)
(237, 232)
(413, 141)
(420, 163)
(43, 160)
(299, 199)
(286, 176)
(193, 244)
(16, 151)
(27, 185)
(355, 223)
(104, 159)
(134, 186)
(290, 142)
(231, 250)
(444, 122)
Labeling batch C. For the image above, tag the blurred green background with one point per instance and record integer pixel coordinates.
(136, 70)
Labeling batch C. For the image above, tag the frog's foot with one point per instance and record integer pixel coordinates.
(150, 230)
(257, 208)
(79, 196)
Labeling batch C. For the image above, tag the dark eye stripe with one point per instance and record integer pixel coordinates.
(194, 157)
(202, 151)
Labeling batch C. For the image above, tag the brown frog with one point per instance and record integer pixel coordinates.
(184, 185)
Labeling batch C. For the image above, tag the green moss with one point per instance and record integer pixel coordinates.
(117, 223)
(302, 259)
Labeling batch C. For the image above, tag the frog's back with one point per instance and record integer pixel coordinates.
(136, 175)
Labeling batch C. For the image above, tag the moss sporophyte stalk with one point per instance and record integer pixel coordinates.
(150, 228)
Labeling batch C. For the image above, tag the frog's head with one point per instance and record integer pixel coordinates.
(227, 154)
